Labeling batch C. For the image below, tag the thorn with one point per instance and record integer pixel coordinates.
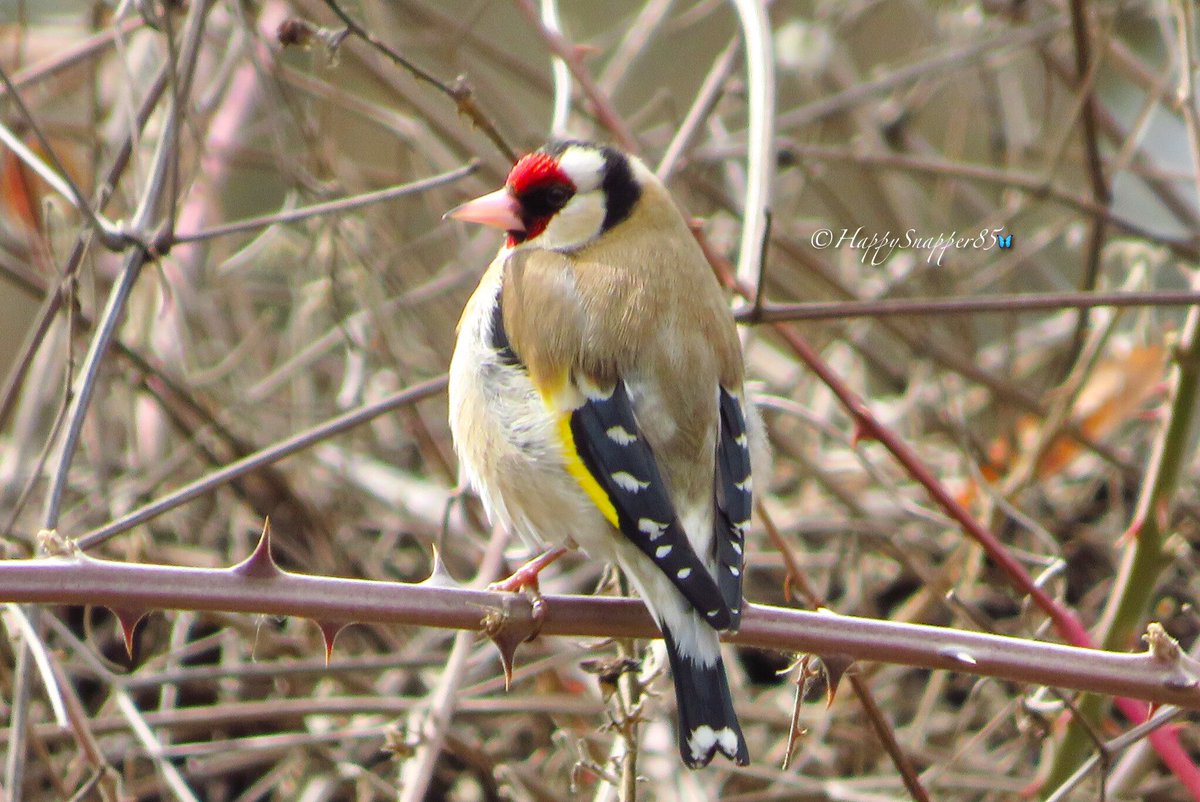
(440, 577)
(860, 433)
(508, 633)
(260, 564)
(959, 656)
(836, 666)
(494, 627)
(1183, 682)
(129, 619)
(1131, 535)
(329, 632)
(499, 625)
(795, 731)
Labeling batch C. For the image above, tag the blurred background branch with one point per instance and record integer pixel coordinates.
(979, 217)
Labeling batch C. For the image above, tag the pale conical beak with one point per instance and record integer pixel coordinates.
(499, 209)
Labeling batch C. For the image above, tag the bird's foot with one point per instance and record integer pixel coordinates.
(525, 579)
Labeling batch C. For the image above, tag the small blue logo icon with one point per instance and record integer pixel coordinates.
(1005, 242)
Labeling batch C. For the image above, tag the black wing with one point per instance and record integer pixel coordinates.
(734, 496)
(615, 454)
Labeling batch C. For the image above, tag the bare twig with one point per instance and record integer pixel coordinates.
(1034, 185)
(1017, 303)
(573, 58)
(135, 258)
(760, 155)
(1143, 558)
(55, 174)
(560, 117)
(339, 206)
(15, 378)
(18, 721)
(266, 456)
(205, 719)
(1085, 76)
(701, 107)
(432, 723)
(945, 60)
(71, 56)
(104, 774)
(638, 36)
(460, 92)
(795, 580)
(1161, 718)
(136, 720)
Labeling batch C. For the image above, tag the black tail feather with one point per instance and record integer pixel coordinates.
(707, 721)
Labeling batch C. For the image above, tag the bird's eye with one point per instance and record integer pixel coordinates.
(557, 196)
(546, 199)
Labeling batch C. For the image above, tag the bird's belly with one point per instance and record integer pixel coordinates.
(508, 445)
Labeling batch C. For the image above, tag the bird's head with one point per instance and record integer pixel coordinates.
(560, 197)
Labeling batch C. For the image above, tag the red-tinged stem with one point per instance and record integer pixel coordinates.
(1165, 741)
(869, 427)
(601, 105)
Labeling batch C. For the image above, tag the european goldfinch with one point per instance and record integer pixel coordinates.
(596, 399)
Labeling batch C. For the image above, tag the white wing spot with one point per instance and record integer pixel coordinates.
(733, 569)
(683, 573)
(742, 525)
(746, 486)
(628, 482)
(713, 613)
(742, 440)
(651, 528)
(620, 435)
(662, 551)
(736, 546)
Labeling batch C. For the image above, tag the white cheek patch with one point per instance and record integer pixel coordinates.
(575, 225)
(583, 166)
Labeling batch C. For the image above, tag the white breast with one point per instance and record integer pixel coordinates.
(505, 436)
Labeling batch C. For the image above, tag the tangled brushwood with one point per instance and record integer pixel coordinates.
(945, 252)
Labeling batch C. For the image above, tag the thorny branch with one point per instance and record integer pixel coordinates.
(258, 586)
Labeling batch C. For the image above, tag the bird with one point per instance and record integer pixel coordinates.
(597, 399)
